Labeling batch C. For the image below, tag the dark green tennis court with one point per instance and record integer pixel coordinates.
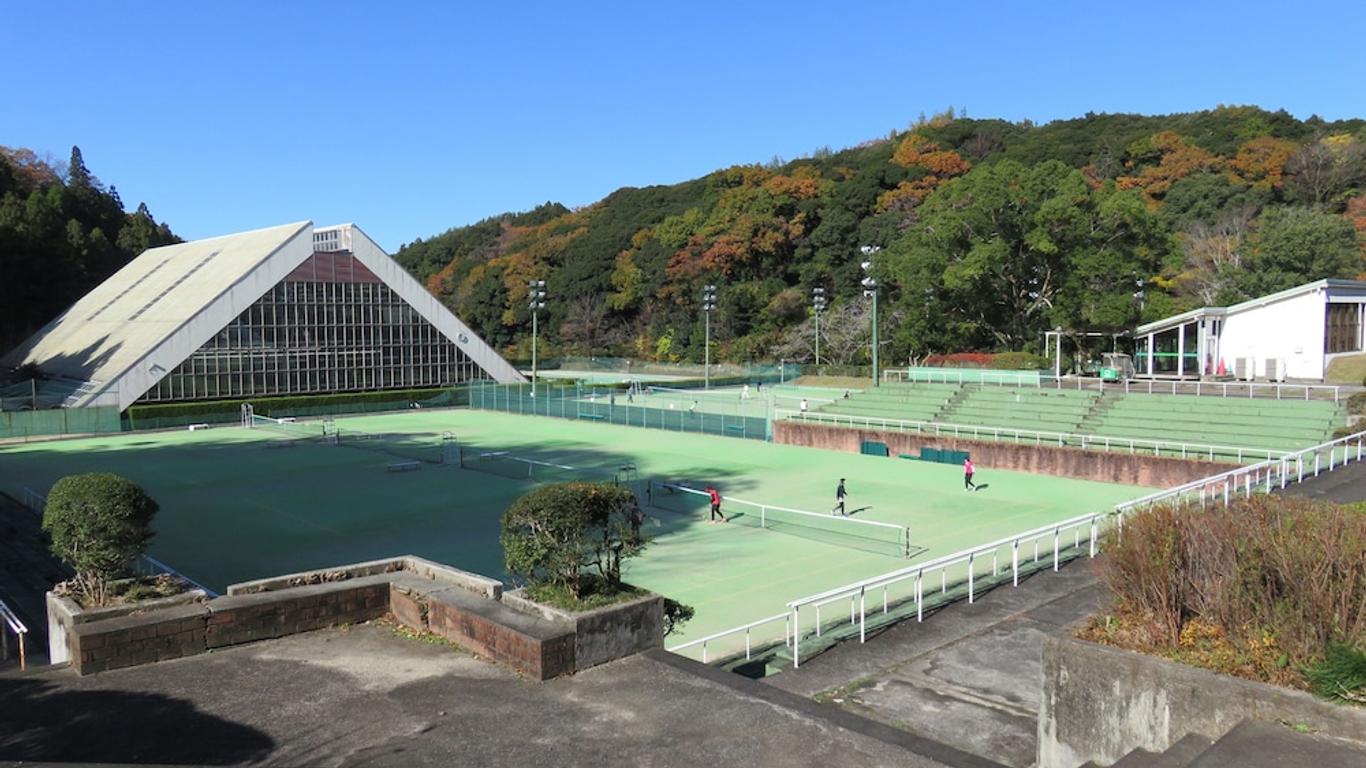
(239, 504)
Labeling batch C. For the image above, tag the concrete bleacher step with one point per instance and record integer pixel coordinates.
(1260, 744)
(1179, 755)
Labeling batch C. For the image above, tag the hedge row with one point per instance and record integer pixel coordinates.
(227, 409)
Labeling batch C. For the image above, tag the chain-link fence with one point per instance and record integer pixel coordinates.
(699, 412)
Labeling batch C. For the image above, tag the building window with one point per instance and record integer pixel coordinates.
(314, 336)
(1342, 332)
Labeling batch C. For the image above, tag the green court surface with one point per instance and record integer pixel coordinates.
(239, 504)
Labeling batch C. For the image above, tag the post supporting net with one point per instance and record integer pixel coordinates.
(867, 535)
(424, 447)
(288, 428)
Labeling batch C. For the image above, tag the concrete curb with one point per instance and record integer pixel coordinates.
(838, 718)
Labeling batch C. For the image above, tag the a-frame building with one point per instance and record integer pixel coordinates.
(279, 311)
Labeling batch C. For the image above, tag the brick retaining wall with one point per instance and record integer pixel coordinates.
(427, 597)
(1085, 464)
(127, 641)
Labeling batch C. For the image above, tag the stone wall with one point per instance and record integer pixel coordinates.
(1101, 703)
(130, 640)
(1085, 464)
(465, 608)
(64, 615)
(236, 619)
(604, 634)
(143, 633)
(483, 585)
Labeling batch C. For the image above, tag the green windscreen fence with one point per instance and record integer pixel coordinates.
(873, 448)
(59, 421)
(660, 409)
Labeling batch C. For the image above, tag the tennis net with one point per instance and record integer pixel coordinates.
(512, 466)
(867, 535)
(425, 448)
(289, 427)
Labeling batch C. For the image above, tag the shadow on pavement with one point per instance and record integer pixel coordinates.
(40, 723)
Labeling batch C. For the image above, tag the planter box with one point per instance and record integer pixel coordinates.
(64, 615)
(1101, 703)
(603, 634)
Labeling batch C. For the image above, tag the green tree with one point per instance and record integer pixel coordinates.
(99, 524)
(1007, 251)
(572, 535)
(1290, 246)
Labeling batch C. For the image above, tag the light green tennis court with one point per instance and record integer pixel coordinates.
(235, 505)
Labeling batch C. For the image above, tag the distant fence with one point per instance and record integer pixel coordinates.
(59, 421)
(1240, 389)
(609, 407)
(968, 376)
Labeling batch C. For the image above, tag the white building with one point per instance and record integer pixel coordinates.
(1293, 334)
(281, 311)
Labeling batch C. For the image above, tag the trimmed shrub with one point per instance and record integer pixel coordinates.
(1020, 361)
(573, 536)
(99, 523)
(959, 360)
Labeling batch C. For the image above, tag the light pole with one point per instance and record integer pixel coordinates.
(708, 306)
(870, 291)
(535, 302)
(818, 305)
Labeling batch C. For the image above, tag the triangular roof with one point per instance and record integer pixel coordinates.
(147, 318)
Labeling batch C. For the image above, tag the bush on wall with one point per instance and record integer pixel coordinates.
(572, 535)
(99, 523)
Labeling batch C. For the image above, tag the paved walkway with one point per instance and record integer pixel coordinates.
(366, 697)
(1345, 485)
(968, 676)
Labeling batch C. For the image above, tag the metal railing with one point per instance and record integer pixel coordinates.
(746, 629)
(35, 501)
(146, 565)
(1233, 389)
(1173, 448)
(10, 624)
(857, 593)
(1263, 477)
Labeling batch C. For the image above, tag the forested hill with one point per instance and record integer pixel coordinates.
(62, 232)
(990, 231)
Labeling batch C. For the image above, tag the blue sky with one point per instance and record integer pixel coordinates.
(412, 118)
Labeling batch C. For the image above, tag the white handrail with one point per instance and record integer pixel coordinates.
(977, 431)
(11, 623)
(1270, 474)
(148, 565)
(746, 628)
(857, 592)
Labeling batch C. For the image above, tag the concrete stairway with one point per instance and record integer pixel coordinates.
(1251, 744)
(27, 571)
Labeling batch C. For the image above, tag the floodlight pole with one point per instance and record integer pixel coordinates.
(870, 291)
(536, 302)
(708, 304)
(818, 304)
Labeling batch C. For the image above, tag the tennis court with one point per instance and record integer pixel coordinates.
(239, 504)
